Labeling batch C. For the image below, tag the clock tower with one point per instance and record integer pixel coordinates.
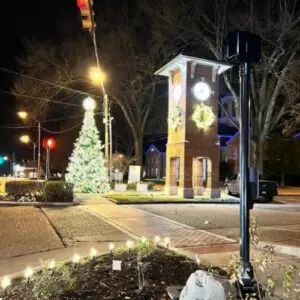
(192, 161)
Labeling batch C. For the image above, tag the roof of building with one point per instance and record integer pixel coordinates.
(181, 59)
(158, 146)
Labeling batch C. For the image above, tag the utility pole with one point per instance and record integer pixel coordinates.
(88, 23)
(106, 125)
(110, 148)
(39, 151)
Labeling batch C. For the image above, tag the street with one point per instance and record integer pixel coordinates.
(277, 223)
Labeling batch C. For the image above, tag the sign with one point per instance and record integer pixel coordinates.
(134, 174)
(120, 187)
(142, 187)
(117, 265)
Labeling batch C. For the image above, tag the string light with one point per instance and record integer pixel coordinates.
(28, 272)
(75, 259)
(52, 264)
(5, 282)
(93, 253)
(129, 244)
(111, 247)
(167, 241)
(157, 239)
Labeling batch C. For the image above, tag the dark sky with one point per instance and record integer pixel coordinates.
(43, 20)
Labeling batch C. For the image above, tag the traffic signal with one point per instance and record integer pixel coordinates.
(86, 11)
(1, 160)
(49, 143)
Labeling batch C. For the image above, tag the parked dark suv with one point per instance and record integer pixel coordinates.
(267, 189)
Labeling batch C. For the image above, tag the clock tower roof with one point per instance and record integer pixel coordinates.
(182, 59)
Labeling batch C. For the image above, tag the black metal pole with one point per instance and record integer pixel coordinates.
(246, 271)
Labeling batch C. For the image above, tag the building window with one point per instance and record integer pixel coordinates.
(156, 172)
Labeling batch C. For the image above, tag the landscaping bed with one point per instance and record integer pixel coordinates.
(95, 279)
(144, 198)
(38, 191)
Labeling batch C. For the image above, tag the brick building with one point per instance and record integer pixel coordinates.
(155, 161)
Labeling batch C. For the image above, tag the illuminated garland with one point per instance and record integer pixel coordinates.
(175, 118)
(203, 116)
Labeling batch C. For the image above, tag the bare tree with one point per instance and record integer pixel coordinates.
(274, 81)
(130, 65)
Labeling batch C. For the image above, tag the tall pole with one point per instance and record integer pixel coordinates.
(34, 165)
(246, 270)
(106, 124)
(13, 164)
(39, 151)
(110, 148)
(47, 163)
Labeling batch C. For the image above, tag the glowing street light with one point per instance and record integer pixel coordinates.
(23, 115)
(25, 139)
(97, 76)
(5, 158)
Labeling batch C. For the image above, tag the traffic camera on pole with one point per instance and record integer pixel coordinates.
(86, 11)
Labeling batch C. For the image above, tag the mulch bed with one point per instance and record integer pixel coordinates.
(95, 279)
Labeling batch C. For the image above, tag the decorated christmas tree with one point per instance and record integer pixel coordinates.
(86, 168)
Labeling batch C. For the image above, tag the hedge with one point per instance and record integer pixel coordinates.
(20, 187)
(58, 191)
(48, 191)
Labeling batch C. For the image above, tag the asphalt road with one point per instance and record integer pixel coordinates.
(274, 225)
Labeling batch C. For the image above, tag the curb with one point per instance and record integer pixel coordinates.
(170, 202)
(37, 204)
(281, 249)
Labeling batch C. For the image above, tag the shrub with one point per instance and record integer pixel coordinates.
(58, 191)
(50, 284)
(21, 188)
(131, 186)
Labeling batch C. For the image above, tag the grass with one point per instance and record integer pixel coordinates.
(159, 197)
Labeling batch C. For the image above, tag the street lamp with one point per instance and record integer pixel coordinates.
(24, 115)
(97, 76)
(26, 140)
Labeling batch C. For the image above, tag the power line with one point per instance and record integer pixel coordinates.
(62, 131)
(48, 82)
(38, 98)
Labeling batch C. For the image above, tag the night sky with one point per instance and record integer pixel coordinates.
(43, 20)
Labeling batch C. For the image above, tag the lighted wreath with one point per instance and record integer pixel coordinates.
(203, 116)
(175, 118)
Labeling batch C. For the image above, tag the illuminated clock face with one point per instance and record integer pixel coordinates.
(202, 91)
(177, 91)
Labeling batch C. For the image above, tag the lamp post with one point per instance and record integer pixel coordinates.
(24, 115)
(243, 48)
(26, 140)
(98, 77)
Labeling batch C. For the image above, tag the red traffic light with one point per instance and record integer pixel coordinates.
(49, 143)
(83, 3)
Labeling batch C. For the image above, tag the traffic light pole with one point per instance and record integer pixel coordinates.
(246, 270)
